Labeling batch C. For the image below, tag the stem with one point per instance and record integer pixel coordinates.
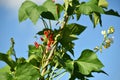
(48, 59)
(62, 74)
(65, 21)
(53, 70)
(44, 22)
(50, 24)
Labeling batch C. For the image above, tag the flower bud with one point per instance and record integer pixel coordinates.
(111, 30)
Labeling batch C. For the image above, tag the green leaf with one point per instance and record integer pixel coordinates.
(89, 7)
(26, 72)
(112, 12)
(66, 4)
(6, 59)
(42, 9)
(33, 13)
(59, 9)
(103, 3)
(95, 18)
(51, 12)
(6, 76)
(35, 51)
(69, 33)
(72, 6)
(88, 62)
(69, 66)
(22, 10)
(21, 60)
(5, 69)
(34, 60)
(75, 29)
(65, 61)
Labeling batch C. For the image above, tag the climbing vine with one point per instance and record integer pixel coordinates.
(49, 57)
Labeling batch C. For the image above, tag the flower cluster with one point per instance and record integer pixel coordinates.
(47, 40)
(49, 37)
(108, 40)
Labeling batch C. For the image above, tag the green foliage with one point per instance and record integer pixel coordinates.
(51, 10)
(90, 7)
(88, 62)
(50, 58)
(6, 76)
(23, 15)
(84, 65)
(31, 10)
(8, 60)
(26, 71)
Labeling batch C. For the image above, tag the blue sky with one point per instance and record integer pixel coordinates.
(23, 34)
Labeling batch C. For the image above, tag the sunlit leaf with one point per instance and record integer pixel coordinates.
(103, 3)
(66, 4)
(51, 12)
(96, 19)
(88, 62)
(35, 51)
(5, 76)
(89, 7)
(26, 72)
(33, 13)
(22, 10)
(5, 69)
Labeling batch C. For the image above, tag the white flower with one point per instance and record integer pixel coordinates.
(103, 32)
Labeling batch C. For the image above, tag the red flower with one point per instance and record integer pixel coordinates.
(46, 33)
(49, 43)
(36, 44)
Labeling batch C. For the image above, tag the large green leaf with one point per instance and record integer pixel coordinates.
(33, 13)
(51, 12)
(69, 66)
(88, 62)
(8, 60)
(29, 10)
(22, 10)
(75, 28)
(4, 73)
(112, 12)
(89, 7)
(69, 34)
(35, 51)
(6, 76)
(5, 69)
(26, 72)
(41, 9)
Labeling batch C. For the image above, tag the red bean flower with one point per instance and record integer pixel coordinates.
(36, 44)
